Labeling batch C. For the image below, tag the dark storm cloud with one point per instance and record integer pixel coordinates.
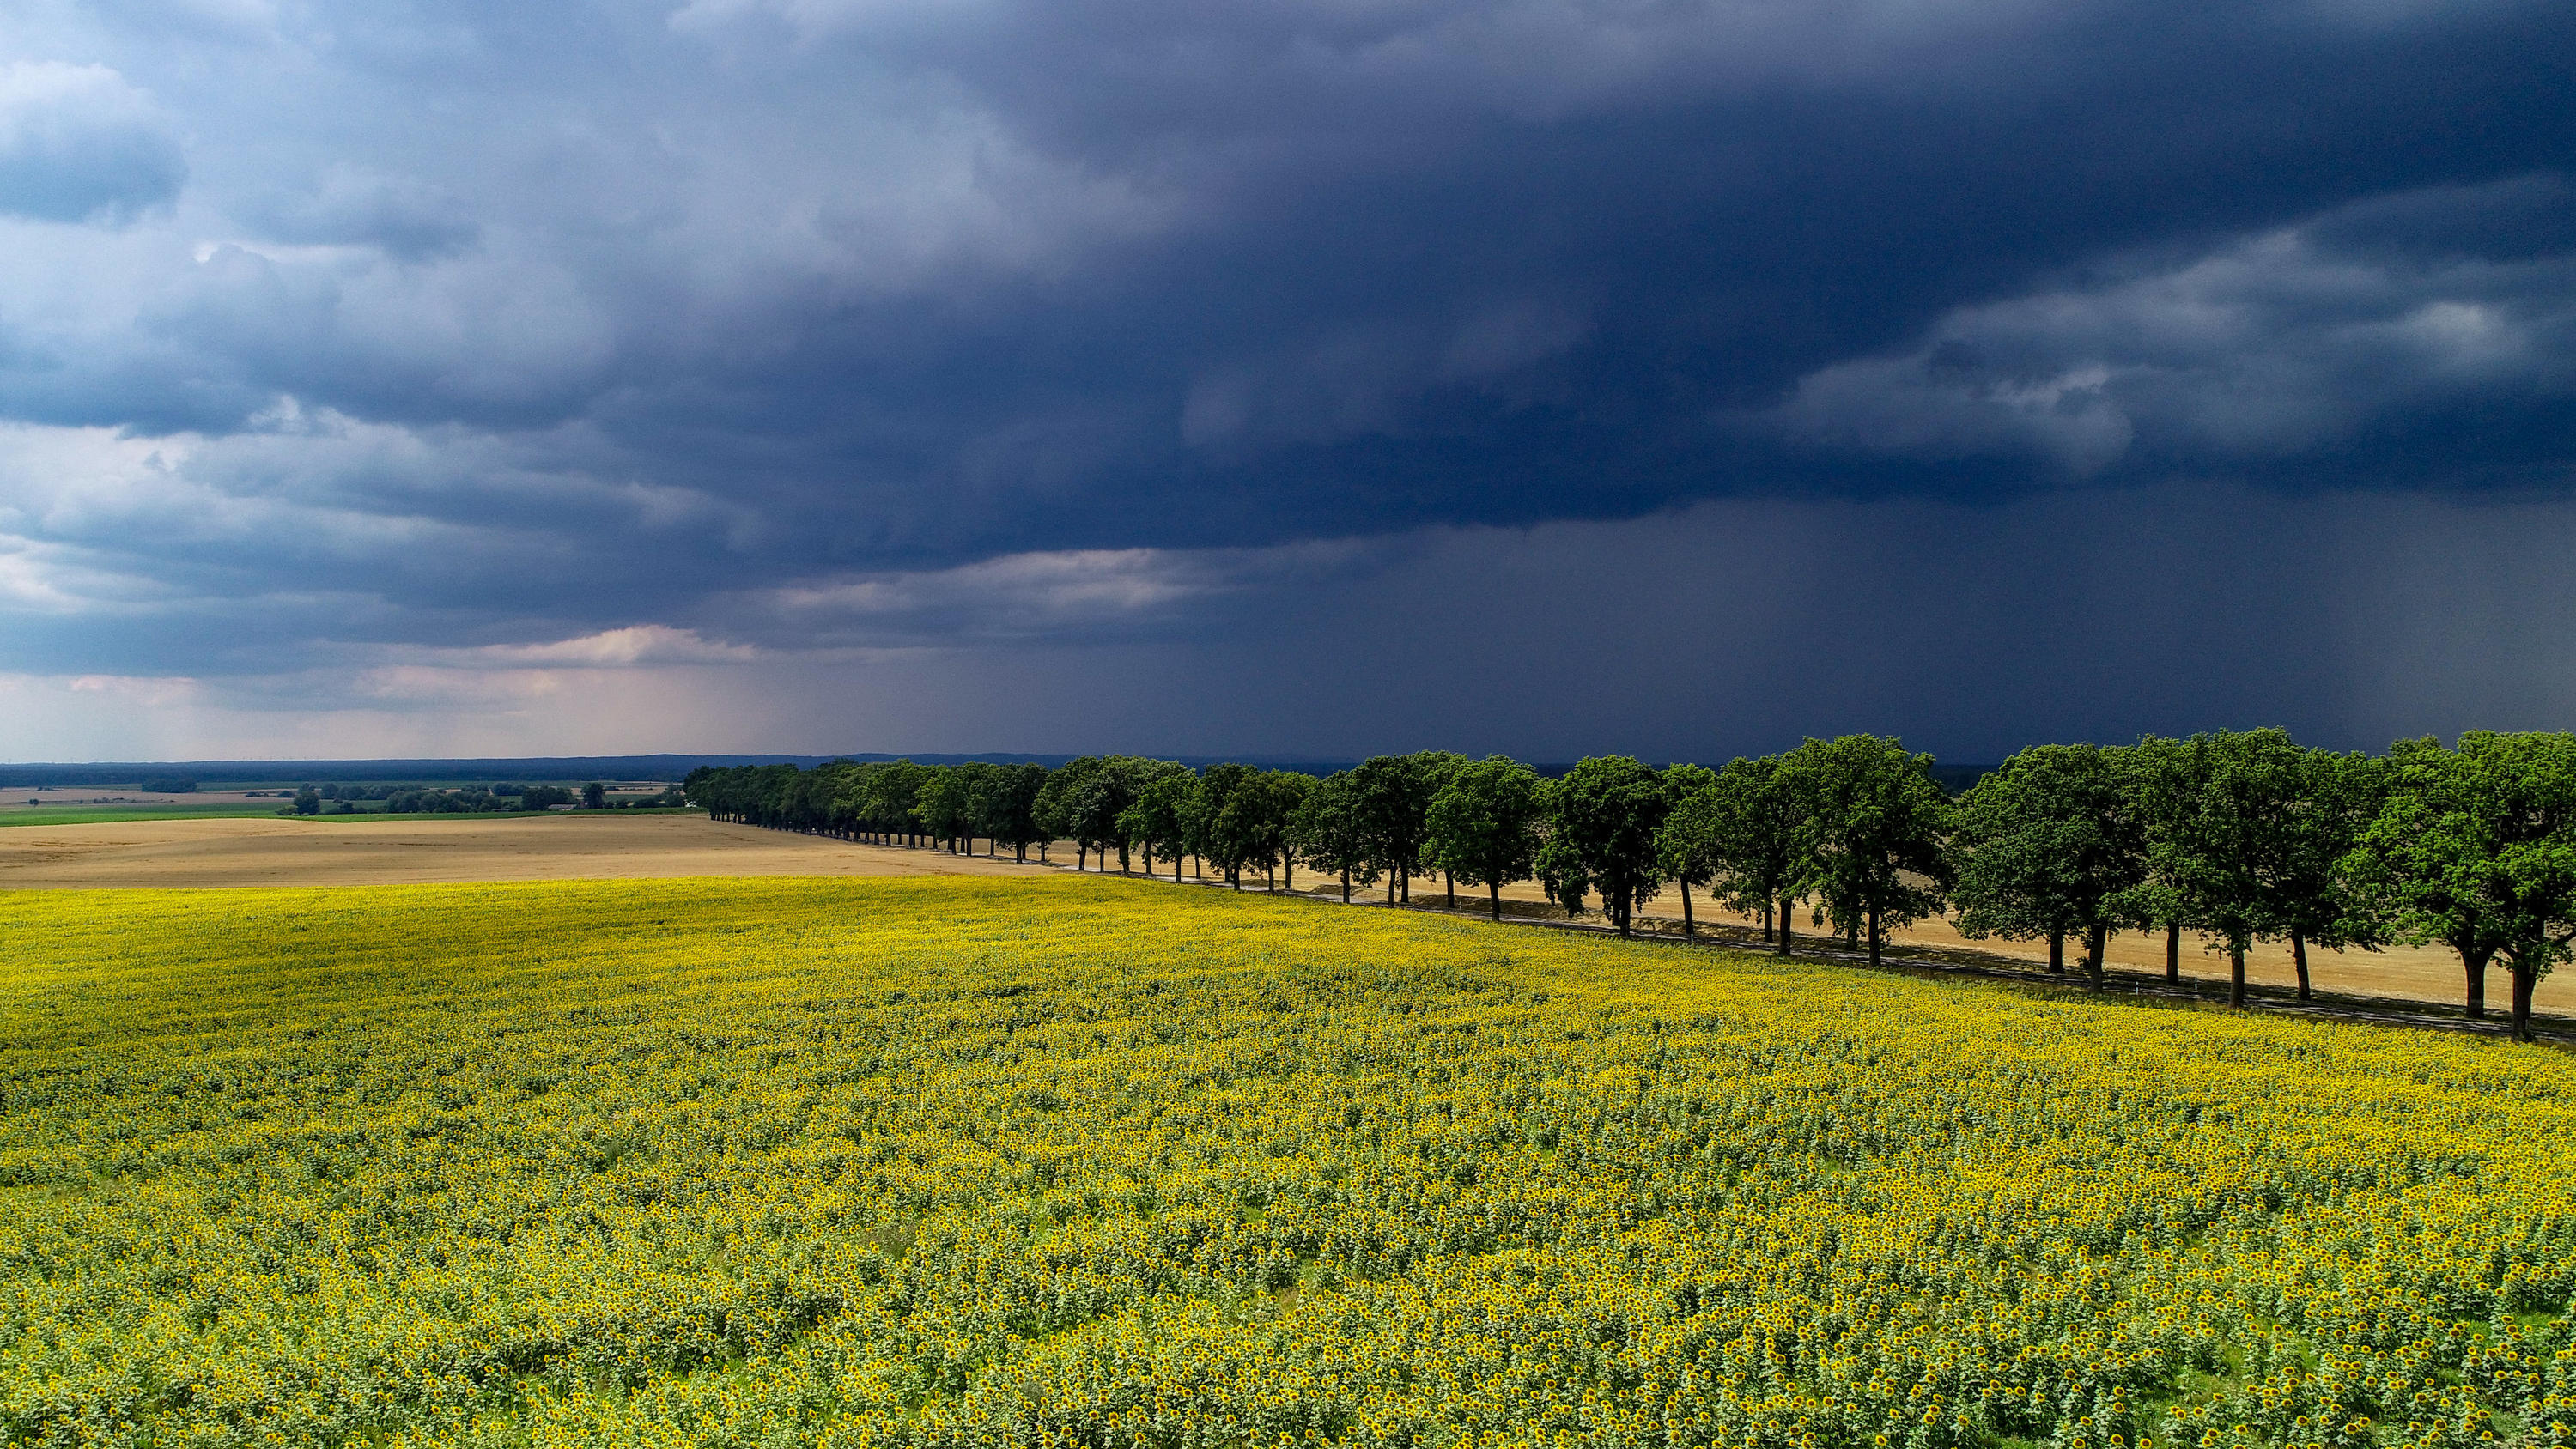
(858, 324)
(1518, 263)
(2427, 340)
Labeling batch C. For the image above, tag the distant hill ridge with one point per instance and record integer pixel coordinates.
(557, 767)
(620, 767)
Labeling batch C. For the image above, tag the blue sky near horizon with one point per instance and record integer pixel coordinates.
(412, 377)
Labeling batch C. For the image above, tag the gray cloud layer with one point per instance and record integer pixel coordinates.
(860, 325)
(79, 143)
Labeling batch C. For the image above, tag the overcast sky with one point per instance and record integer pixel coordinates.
(1280, 376)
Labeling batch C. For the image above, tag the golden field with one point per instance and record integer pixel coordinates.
(437, 850)
(953, 1161)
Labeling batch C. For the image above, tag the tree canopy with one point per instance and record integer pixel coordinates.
(2244, 835)
(1871, 835)
(1484, 825)
(2051, 844)
(1602, 819)
(2475, 847)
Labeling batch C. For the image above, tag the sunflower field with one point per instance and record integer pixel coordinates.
(968, 1161)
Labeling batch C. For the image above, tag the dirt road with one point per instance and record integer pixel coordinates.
(2407, 972)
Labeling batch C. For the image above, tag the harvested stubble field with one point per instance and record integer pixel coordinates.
(435, 849)
(1069, 1161)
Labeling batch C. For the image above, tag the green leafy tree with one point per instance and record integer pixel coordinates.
(1213, 823)
(1435, 768)
(2165, 783)
(892, 793)
(308, 801)
(1483, 825)
(849, 799)
(2313, 899)
(969, 785)
(2476, 847)
(940, 806)
(1060, 805)
(594, 796)
(830, 784)
(1757, 815)
(1330, 833)
(2254, 853)
(1004, 806)
(1602, 820)
(1107, 795)
(1270, 826)
(2051, 844)
(1558, 865)
(1159, 818)
(1392, 794)
(1689, 844)
(1083, 800)
(2215, 850)
(1871, 845)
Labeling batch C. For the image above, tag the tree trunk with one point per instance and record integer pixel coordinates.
(1234, 876)
(1620, 905)
(2524, 978)
(2299, 959)
(1081, 852)
(1407, 873)
(2173, 953)
(1346, 885)
(2096, 941)
(1122, 857)
(2057, 953)
(1785, 933)
(1390, 886)
(2474, 965)
(1873, 935)
(1288, 868)
(1766, 919)
(2235, 974)
(1270, 877)
(1176, 867)
(1689, 928)
(1494, 893)
(1453, 888)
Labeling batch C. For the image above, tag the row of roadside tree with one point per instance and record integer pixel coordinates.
(2235, 836)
